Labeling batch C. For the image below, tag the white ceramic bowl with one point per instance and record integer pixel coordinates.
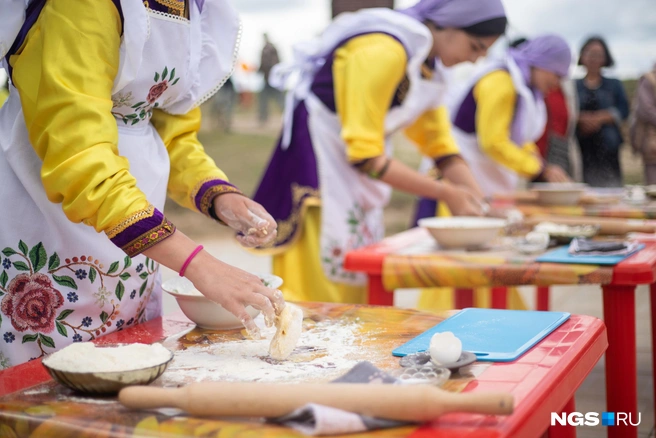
(559, 193)
(205, 313)
(463, 231)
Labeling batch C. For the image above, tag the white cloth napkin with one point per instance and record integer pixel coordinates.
(315, 420)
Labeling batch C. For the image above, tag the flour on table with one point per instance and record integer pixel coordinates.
(324, 351)
(85, 357)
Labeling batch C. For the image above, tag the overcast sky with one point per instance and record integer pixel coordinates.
(628, 25)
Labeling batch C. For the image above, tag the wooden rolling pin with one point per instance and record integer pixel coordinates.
(607, 226)
(396, 402)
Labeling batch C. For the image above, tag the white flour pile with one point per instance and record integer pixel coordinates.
(324, 352)
(85, 357)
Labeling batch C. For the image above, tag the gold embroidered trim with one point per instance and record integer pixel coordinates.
(303, 197)
(206, 200)
(126, 223)
(211, 193)
(198, 186)
(178, 8)
(150, 238)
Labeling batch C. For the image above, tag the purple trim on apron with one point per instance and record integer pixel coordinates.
(296, 165)
(323, 86)
(32, 14)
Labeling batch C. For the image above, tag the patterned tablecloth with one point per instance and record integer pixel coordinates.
(423, 264)
(50, 410)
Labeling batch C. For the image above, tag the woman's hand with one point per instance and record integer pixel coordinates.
(250, 219)
(235, 289)
(231, 287)
(590, 122)
(463, 202)
(555, 174)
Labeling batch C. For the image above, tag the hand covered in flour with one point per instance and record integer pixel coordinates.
(464, 202)
(235, 289)
(256, 227)
(555, 174)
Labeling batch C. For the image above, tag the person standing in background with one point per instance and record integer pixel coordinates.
(268, 59)
(558, 143)
(643, 125)
(603, 105)
(223, 104)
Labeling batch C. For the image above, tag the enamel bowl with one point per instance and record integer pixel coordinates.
(463, 231)
(205, 313)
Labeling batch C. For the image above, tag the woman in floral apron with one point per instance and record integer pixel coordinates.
(99, 127)
(496, 122)
(370, 74)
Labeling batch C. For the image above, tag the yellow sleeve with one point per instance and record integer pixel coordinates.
(495, 97)
(64, 74)
(193, 172)
(431, 132)
(366, 73)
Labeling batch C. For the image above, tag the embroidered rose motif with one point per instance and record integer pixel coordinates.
(143, 110)
(32, 303)
(156, 91)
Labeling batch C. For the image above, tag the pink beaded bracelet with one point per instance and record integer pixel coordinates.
(198, 249)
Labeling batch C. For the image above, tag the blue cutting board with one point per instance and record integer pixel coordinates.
(493, 335)
(562, 255)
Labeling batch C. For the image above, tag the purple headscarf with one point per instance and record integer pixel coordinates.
(548, 52)
(456, 13)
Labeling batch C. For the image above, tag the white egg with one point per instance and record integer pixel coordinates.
(445, 348)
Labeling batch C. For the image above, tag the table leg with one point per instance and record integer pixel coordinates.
(378, 296)
(621, 366)
(652, 289)
(499, 297)
(464, 298)
(542, 294)
(559, 431)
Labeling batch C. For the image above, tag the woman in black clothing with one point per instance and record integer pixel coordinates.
(603, 106)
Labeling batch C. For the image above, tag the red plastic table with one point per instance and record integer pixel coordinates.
(618, 284)
(542, 381)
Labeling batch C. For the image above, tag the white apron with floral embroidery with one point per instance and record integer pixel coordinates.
(352, 203)
(62, 282)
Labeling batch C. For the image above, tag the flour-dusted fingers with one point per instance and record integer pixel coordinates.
(239, 311)
(264, 304)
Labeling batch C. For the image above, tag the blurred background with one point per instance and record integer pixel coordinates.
(241, 141)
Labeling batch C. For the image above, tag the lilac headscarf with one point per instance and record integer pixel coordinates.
(548, 52)
(456, 13)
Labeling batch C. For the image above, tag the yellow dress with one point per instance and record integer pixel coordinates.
(367, 71)
(495, 107)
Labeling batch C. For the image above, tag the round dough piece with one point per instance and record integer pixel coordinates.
(290, 326)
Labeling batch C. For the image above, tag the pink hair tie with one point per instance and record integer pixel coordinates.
(193, 254)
